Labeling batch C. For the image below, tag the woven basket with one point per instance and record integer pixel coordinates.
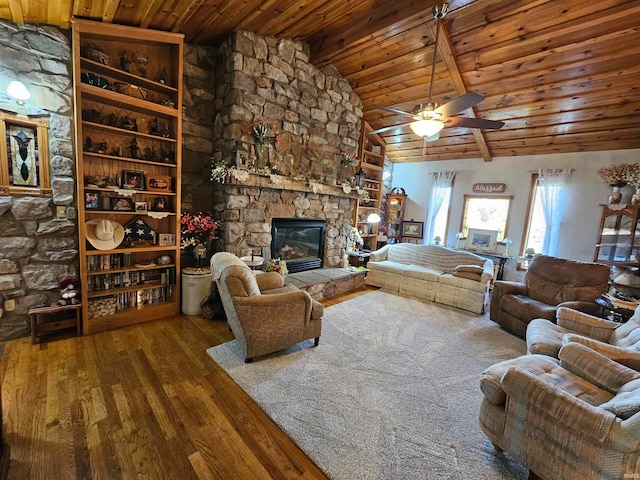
(102, 307)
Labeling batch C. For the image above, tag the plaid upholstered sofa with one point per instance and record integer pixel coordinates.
(264, 314)
(572, 418)
(431, 272)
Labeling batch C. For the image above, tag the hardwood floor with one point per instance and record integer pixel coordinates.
(144, 401)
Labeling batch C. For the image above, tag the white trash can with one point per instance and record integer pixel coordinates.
(196, 287)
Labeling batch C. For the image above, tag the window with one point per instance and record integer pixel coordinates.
(536, 224)
(486, 213)
(442, 218)
(440, 197)
(547, 200)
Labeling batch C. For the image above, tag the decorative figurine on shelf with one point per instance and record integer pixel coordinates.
(153, 127)
(142, 61)
(70, 291)
(162, 77)
(134, 149)
(124, 61)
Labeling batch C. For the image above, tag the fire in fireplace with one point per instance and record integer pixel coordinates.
(299, 241)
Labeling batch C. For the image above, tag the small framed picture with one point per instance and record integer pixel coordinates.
(141, 206)
(122, 204)
(242, 160)
(483, 240)
(161, 204)
(92, 200)
(132, 179)
(412, 229)
(159, 183)
(166, 239)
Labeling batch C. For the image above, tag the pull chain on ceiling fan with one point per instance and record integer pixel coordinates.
(429, 120)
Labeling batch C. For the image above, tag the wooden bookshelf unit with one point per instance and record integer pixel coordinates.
(128, 123)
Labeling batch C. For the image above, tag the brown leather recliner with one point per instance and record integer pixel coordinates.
(548, 282)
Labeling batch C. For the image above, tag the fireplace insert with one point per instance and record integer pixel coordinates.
(298, 241)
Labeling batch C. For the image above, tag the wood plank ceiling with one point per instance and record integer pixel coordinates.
(563, 75)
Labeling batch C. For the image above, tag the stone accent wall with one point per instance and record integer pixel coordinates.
(247, 211)
(197, 127)
(314, 111)
(37, 248)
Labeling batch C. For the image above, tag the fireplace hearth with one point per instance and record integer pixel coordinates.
(298, 241)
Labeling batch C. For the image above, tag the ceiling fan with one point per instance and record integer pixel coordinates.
(429, 118)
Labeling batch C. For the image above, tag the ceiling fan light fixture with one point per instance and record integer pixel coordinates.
(427, 128)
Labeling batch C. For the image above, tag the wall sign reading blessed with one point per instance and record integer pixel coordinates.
(489, 187)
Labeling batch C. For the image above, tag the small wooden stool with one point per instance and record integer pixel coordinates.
(55, 325)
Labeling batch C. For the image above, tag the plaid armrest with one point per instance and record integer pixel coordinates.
(626, 357)
(579, 322)
(595, 367)
(561, 407)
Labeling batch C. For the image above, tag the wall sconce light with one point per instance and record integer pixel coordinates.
(18, 91)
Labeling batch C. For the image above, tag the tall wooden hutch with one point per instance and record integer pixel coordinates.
(619, 236)
(128, 114)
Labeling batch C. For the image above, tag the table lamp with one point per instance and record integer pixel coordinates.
(507, 241)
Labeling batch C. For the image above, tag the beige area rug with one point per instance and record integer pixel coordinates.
(391, 392)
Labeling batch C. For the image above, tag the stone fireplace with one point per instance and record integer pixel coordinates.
(248, 210)
(298, 241)
(313, 112)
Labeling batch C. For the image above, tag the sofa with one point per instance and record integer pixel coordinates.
(576, 417)
(547, 283)
(431, 272)
(264, 314)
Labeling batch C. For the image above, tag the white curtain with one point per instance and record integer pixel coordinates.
(442, 181)
(553, 189)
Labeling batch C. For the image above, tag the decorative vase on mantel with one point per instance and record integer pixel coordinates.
(616, 196)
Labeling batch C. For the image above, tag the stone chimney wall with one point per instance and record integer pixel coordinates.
(38, 235)
(314, 110)
(197, 126)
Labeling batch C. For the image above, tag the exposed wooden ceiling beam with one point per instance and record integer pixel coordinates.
(446, 50)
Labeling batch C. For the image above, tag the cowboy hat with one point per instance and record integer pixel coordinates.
(104, 234)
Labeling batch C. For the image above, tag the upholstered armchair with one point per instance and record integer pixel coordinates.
(572, 418)
(264, 314)
(612, 339)
(548, 282)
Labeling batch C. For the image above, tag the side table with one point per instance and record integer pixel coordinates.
(358, 258)
(54, 325)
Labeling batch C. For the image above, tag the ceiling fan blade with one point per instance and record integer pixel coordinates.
(472, 123)
(395, 110)
(460, 104)
(391, 127)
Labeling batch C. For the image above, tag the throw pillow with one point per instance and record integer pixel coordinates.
(470, 269)
(624, 404)
(468, 275)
